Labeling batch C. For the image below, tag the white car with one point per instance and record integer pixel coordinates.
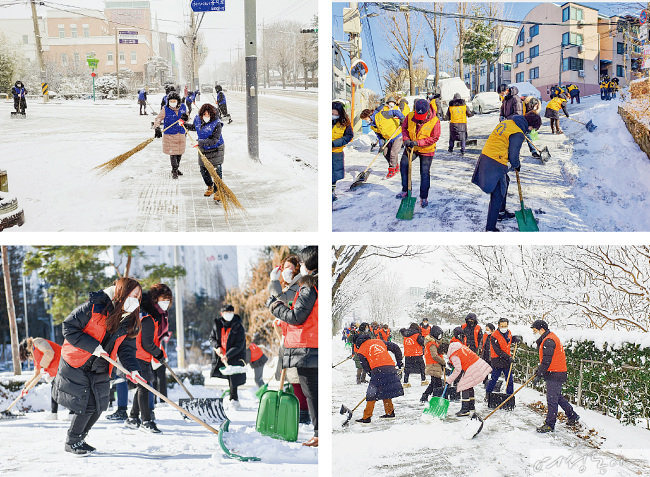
(526, 88)
(486, 102)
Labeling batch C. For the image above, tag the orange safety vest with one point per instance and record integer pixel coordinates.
(54, 364)
(425, 131)
(140, 352)
(503, 344)
(96, 327)
(477, 328)
(558, 363)
(256, 352)
(425, 330)
(428, 356)
(305, 335)
(467, 357)
(224, 338)
(384, 334)
(411, 346)
(376, 352)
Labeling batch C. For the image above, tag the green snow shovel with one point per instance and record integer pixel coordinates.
(263, 389)
(278, 414)
(407, 206)
(438, 406)
(591, 127)
(222, 430)
(525, 218)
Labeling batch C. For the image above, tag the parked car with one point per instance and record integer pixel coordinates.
(451, 86)
(486, 102)
(527, 89)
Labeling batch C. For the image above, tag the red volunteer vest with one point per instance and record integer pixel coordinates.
(376, 352)
(425, 330)
(428, 355)
(224, 339)
(96, 327)
(384, 334)
(411, 346)
(477, 328)
(467, 357)
(305, 335)
(558, 363)
(141, 353)
(503, 344)
(256, 352)
(54, 364)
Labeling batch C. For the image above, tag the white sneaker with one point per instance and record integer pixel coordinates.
(234, 405)
(51, 416)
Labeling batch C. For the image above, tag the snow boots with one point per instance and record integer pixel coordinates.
(119, 415)
(364, 421)
(388, 416)
(572, 421)
(466, 407)
(392, 171)
(75, 444)
(505, 215)
(133, 422)
(544, 429)
(150, 426)
(208, 192)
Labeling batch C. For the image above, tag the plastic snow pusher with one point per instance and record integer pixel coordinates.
(278, 414)
(497, 398)
(438, 406)
(407, 206)
(144, 384)
(525, 218)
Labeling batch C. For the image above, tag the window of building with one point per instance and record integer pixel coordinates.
(571, 13)
(122, 58)
(73, 30)
(534, 51)
(636, 48)
(109, 58)
(519, 77)
(64, 59)
(86, 29)
(134, 58)
(520, 57)
(619, 71)
(61, 31)
(533, 31)
(572, 39)
(620, 48)
(572, 64)
(482, 88)
(507, 50)
(491, 85)
(76, 59)
(491, 67)
(507, 67)
(520, 37)
(533, 73)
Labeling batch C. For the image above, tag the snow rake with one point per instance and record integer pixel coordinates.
(349, 412)
(469, 431)
(207, 408)
(362, 177)
(591, 127)
(438, 406)
(544, 154)
(407, 206)
(525, 219)
(497, 398)
(28, 385)
(278, 414)
(108, 166)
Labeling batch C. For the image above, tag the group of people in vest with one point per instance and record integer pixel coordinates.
(608, 88)
(474, 357)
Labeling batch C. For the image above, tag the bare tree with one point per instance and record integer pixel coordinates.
(462, 24)
(435, 22)
(402, 32)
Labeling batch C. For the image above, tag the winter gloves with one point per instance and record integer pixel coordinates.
(99, 351)
(271, 302)
(184, 117)
(135, 377)
(410, 143)
(275, 274)
(157, 133)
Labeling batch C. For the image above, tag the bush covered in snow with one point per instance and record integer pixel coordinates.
(193, 374)
(107, 86)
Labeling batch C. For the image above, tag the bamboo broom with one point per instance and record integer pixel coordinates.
(108, 166)
(226, 196)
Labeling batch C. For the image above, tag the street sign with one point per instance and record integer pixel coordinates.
(128, 37)
(643, 32)
(129, 41)
(643, 17)
(359, 72)
(208, 5)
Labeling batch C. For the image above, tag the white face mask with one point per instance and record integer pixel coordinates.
(131, 304)
(303, 270)
(287, 275)
(228, 315)
(391, 105)
(206, 119)
(503, 330)
(163, 305)
(173, 104)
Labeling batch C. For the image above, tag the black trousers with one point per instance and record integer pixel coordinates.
(216, 159)
(175, 162)
(160, 380)
(141, 399)
(308, 378)
(82, 423)
(436, 382)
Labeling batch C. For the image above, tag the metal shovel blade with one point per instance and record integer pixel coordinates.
(526, 220)
(345, 410)
(473, 429)
(361, 178)
(545, 154)
(591, 127)
(208, 409)
(496, 399)
(10, 415)
(406, 208)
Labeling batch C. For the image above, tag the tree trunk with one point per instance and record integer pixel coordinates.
(411, 77)
(477, 78)
(437, 65)
(487, 83)
(11, 310)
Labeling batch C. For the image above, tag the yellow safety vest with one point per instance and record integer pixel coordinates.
(338, 130)
(556, 103)
(496, 146)
(458, 114)
(571, 87)
(386, 126)
(425, 131)
(404, 107)
(434, 106)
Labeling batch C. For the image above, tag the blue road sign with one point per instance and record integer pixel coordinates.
(208, 5)
(643, 17)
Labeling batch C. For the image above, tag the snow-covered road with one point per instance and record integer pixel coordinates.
(33, 446)
(50, 155)
(410, 446)
(594, 181)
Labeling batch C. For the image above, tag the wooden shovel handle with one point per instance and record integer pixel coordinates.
(144, 384)
(28, 385)
(171, 371)
(514, 353)
(282, 376)
(510, 397)
(381, 149)
(360, 402)
(521, 196)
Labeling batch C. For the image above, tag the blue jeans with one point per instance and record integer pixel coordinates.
(496, 373)
(425, 168)
(123, 395)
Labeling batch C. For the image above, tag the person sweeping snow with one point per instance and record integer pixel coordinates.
(46, 355)
(500, 343)
(434, 361)
(19, 93)
(413, 353)
(221, 103)
(174, 137)
(384, 379)
(342, 134)
(471, 369)
(553, 112)
(473, 332)
(553, 370)
(457, 115)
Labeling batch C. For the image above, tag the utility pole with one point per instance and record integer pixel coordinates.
(11, 310)
(25, 308)
(117, 63)
(39, 52)
(355, 53)
(559, 81)
(250, 50)
(180, 328)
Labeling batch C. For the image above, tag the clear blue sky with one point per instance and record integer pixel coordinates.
(384, 51)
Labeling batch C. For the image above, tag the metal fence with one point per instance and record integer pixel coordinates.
(622, 392)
